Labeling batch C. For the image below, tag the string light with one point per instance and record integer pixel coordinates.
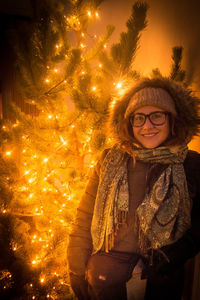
(42, 280)
(119, 85)
(8, 153)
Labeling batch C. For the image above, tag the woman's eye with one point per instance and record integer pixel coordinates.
(156, 116)
(138, 118)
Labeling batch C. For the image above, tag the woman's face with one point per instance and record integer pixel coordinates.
(151, 136)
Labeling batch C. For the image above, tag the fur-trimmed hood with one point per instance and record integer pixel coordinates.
(186, 105)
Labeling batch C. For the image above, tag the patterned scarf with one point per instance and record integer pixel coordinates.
(164, 214)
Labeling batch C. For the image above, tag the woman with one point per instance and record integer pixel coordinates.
(142, 202)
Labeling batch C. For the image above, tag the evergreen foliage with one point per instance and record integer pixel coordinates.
(46, 158)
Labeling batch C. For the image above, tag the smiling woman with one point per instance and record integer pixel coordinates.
(150, 126)
(141, 208)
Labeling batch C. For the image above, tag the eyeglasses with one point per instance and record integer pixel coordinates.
(156, 118)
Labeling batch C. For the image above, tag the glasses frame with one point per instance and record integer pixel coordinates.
(149, 117)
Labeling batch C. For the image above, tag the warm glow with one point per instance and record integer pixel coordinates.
(42, 280)
(89, 13)
(119, 85)
(8, 153)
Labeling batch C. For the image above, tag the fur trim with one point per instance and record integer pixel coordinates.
(186, 105)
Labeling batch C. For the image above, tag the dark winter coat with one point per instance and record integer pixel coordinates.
(80, 244)
(186, 126)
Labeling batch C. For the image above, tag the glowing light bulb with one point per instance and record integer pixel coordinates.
(100, 65)
(119, 85)
(45, 160)
(96, 14)
(105, 46)
(8, 153)
(47, 80)
(55, 70)
(42, 280)
(82, 45)
(94, 88)
(112, 103)
(89, 13)
(50, 117)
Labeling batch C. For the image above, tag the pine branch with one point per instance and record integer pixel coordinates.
(123, 52)
(177, 73)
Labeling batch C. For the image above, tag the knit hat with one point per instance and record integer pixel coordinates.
(150, 96)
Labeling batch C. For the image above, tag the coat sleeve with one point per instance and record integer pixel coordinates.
(80, 241)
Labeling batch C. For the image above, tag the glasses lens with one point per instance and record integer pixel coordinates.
(138, 120)
(157, 118)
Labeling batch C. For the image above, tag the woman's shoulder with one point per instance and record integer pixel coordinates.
(192, 161)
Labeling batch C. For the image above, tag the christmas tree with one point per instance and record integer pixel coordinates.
(47, 154)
